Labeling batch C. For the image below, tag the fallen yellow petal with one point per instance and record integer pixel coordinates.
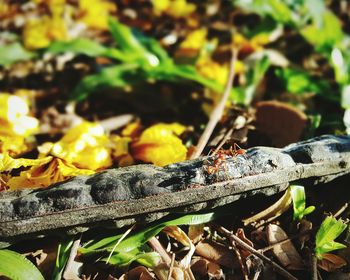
(160, 145)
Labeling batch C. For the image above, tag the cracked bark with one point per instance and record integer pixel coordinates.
(143, 193)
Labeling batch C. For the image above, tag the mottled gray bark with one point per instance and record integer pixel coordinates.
(144, 193)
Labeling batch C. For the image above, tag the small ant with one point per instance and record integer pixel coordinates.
(221, 156)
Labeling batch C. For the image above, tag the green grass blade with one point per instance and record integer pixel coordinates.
(17, 267)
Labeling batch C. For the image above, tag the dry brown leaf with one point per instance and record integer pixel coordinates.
(272, 212)
(240, 233)
(281, 122)
(203, 268)
(286, 252)
(217, 253)
(304, 227)
(137, 273)
(195, 233)
(162, 270)
(331, 262)
(179, 235)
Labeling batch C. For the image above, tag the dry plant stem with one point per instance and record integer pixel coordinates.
(223, 141)
(234, 239)
(171, 266)
(341, 210)
(155, 244)
(238, 254)
(216, 114)
(313, 267)
(73, 253)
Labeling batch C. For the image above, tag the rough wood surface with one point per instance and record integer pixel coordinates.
(144, 193)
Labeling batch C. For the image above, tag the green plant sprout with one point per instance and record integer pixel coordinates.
(329, 230)
(136, 59)
(299, 203)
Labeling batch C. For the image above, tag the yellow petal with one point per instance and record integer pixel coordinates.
(159, 145)
(44, 175)
(95, 13)
(14, 119)
(8, 163)
(195, 40)
(121, 150)
(85, 146)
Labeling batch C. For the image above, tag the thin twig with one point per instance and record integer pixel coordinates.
(341, 210)
(234, 239)
(281, 242)
(216, 114)
(171, 266)
(73, 253)
(313, 261)
(223, 141)
(155, 244)
(239, 257)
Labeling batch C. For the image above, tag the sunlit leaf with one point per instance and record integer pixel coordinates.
(17, 267)
(329, 230)
(63, 252)
(138, 239)
(299, 202)
(14, 52)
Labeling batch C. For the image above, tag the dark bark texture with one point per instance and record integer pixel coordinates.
(143, 193)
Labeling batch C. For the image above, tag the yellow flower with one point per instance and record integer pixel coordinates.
(40, 176)
(39, 33)
(121, 151)
(14, 119)
(247, 46)
(218, 72)
(95, 13)
(175, 8)
(85, 146)
(160, 145)
(195, 40)
(13, 145)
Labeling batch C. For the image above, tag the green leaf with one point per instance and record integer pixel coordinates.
(138, 239)
(130, 45)
(14, 52)
(148, 259)
(63, 253)
(118, 76)
(245, 94)
(299, 202)
(78, 46)
(300, 82)
(329, 230)
(276, 9)
(17, 267)
(325, 34)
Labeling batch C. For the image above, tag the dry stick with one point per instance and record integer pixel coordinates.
(236, 240)
(216, 115)
(239, 257)
(155, 244)
(223, 141)
(341, 210)
(171, 266)
(72, 255)
(313, 261)
(281, 242)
